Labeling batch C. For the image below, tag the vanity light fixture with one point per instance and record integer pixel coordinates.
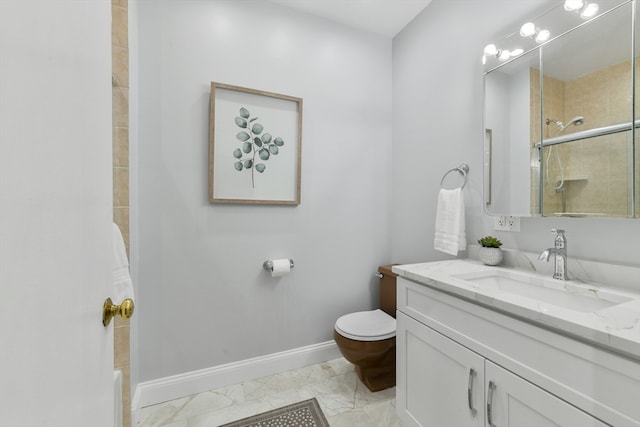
(542, 36)
(491, 50)
(529, 30)
(590, 11)
(586, 10)
(502, 54)
(573, 5)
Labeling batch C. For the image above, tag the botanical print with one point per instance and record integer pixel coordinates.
(254, 143)
(249, 161)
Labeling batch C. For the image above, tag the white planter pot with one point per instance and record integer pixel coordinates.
(490, 256)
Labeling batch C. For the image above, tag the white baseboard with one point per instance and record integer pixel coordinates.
(176, 386)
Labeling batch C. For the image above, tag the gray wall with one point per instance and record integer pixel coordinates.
(437, 124)
(204, 298)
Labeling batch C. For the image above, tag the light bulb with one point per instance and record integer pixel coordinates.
(504, 55)
(590, 11)
(516, 52)
(528, 29)
(573, 5)
(543, 36)
(490, 50)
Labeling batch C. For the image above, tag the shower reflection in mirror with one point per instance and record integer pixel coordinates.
(562, 114)
(558, 183)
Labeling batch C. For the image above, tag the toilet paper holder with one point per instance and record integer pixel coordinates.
(268, 264)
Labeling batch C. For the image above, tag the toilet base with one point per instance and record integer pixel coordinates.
(377, 379)
(375, 361)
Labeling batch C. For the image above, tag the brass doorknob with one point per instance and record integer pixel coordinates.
(109, 310)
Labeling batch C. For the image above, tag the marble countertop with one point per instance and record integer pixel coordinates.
(615, 327)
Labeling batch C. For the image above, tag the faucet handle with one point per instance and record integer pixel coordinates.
(560, 240)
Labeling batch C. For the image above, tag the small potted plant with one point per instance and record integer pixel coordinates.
(490, 252)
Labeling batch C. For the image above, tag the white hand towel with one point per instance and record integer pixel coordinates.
(450, 225)
(122, 283)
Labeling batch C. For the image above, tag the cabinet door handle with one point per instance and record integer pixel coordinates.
(491, 388)
(472, 374)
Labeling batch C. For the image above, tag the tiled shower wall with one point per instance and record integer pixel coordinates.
(597, 170)
(600, 164)
(120, 92)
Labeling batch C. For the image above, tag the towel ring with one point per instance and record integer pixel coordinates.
(463, 169)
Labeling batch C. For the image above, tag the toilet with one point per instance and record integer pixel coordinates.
(367, 339)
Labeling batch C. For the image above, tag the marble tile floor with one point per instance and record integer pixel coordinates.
(345, 401)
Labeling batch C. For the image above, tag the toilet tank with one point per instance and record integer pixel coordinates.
(387, 289)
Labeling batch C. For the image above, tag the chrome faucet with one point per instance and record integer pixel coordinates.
(559, 252)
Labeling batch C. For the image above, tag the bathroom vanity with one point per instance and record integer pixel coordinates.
(494, 346)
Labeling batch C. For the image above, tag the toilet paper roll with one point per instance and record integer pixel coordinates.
(281, 267)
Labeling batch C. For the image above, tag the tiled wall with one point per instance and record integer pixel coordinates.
(596, 170)
(553, 98)
(603, 98)
(554, 107)
(120, 91)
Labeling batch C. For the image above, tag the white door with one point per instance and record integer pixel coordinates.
(56, 358)
(514, 402)
(440, 382)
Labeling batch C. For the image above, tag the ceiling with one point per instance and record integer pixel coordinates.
(385, 17)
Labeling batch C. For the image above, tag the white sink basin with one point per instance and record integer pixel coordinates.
(568, 295)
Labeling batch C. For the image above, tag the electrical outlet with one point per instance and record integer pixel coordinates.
(506, 223)
(513, 222)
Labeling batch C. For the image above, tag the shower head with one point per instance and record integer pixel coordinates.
(576, 121)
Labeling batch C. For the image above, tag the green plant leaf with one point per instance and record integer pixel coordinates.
(257, 128)
(490, 242)
(244, 113)
(278, 141)
(266, 138)
(273, 149)
(238, 166)
(257, 141)
(248, 164)
(237, 153)
(260, 167)
(241, 122)
(247, 147)
(243, 136)
(264, 154)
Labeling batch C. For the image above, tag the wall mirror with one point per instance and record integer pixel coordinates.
(560, 132)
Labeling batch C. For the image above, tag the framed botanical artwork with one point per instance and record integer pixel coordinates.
(255, 141)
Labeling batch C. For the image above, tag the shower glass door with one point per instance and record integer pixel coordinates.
(586, 85)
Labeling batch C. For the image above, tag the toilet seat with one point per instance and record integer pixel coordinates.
(374, 325)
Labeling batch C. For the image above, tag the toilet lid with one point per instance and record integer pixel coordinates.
(374, 325)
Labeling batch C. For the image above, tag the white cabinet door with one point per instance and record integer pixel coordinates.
(440, 382)
(515, 402)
